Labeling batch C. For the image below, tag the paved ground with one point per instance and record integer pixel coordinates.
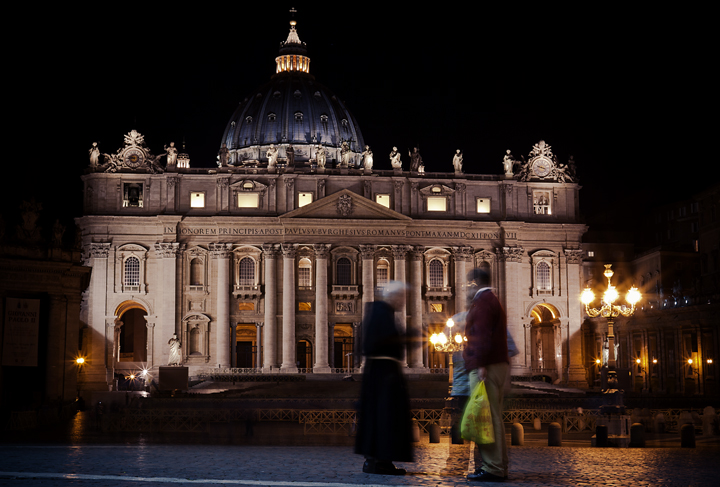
(145, 464)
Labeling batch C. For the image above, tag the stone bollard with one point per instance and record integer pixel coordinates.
(554, 434)
(434, 432)
(708, 421)
(457, 438)
(536, 424)
(415, 430)
(601, 436)
(637, 435)
(660, 424)
(517, 435)
(687, 436)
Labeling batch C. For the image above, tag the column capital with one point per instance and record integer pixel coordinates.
(367, 251)
(168, 250)
(220, 250)
(98, 250)
(259, 324)
(511, 254)
(416, 252)
(289, 250)
(573, 256)
(399, 252)
(270, 251)
(321, 251)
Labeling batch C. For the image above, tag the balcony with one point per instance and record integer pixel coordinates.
(345, 291)
(438, 292)
(247, 292)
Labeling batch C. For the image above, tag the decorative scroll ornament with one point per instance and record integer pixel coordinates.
(345, 205)
(542, 165)
(135, 156)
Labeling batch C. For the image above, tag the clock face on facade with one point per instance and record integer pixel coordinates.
(541, 167)
(133, 158)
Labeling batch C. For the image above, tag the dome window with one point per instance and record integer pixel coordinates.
(298, 117)
(248, 120)
(297, 94)
(344, 123)
(317, 95)
(271, 117)
(275, 95)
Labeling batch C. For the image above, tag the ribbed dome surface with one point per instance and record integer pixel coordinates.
(294, 109)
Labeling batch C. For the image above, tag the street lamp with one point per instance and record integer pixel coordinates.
(448, 343)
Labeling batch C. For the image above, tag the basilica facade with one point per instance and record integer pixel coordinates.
(265, 263)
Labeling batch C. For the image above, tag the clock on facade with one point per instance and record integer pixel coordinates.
(133, 158)
(541, 167)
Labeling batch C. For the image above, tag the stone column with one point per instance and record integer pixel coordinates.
(511, 262)
(166, 254)
(576, 369)
(221, 254)
(367, 253)
(258, 341)
(57, 341)
(459, 258)
(96, 366)
(150, 341)
(110, 352)
(321, 309)
(415, 333)
(399, 254)
(357, 358)
(270, 362)
(288, 306)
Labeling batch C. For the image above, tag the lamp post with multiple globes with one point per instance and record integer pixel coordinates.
(609, 310)
(448, 343)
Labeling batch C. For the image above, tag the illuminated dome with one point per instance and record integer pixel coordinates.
(292, 109)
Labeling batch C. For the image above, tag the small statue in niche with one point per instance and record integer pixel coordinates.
(272, 155)
(415, 159)
(223, 156)
(367, 158)
(458, 161)
(171, 154)
(321, 156)
(94, 155)
(174, 343)
(395, 161)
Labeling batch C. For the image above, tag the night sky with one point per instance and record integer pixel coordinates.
(629, 94)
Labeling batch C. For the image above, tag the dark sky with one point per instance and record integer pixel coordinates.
(629, 94)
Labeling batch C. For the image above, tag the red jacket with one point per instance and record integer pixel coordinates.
(486, 332)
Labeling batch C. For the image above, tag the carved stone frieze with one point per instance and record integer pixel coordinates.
(345, 205)
(220, 250)
(321, 251)
(511, 254)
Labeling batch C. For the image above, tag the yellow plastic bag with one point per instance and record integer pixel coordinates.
(477, 422)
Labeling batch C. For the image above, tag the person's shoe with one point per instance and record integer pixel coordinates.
(387, 468)
(483, 476)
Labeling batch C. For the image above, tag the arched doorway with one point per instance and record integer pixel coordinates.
(304, 354)
(343, 346)
(545, 342)
(246, 346)
(132, 335)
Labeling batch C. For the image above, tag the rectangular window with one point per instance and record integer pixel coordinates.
(482, 205)
(197, 200)
(132, 195)
(541, 203)
(248, 200)
(304, 199)
(304, 279)
(436, 307)
(304, 306)
(436, 203)
(383, 199)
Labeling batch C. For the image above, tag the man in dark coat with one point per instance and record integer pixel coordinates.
(486, 357)
(384, 428)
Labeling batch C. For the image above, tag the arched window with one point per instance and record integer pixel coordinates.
(196, 272)
(132, 271)
(247, 272)
(305, 272)
(544, 283)
(382, 272)
(343, 270)
(436, 273)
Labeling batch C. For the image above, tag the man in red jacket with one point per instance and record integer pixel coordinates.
(486, 357)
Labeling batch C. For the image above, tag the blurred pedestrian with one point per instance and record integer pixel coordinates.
(384, 427)
(486, 357)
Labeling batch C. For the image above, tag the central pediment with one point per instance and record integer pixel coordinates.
(345, 205)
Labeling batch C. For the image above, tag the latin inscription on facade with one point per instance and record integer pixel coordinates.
(344, 232)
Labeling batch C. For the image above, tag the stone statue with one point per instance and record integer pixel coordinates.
(272, 155)
(94, 155)
(345, 154)
(174, 343)
(395, 161)
(320, 156)
(605, 353)
(171, 154)
(224, 155)
(508, 162)
(367, 157)
(29, 232)
(290, 155)
(458, 161)
(415, 159)
(58, 231)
